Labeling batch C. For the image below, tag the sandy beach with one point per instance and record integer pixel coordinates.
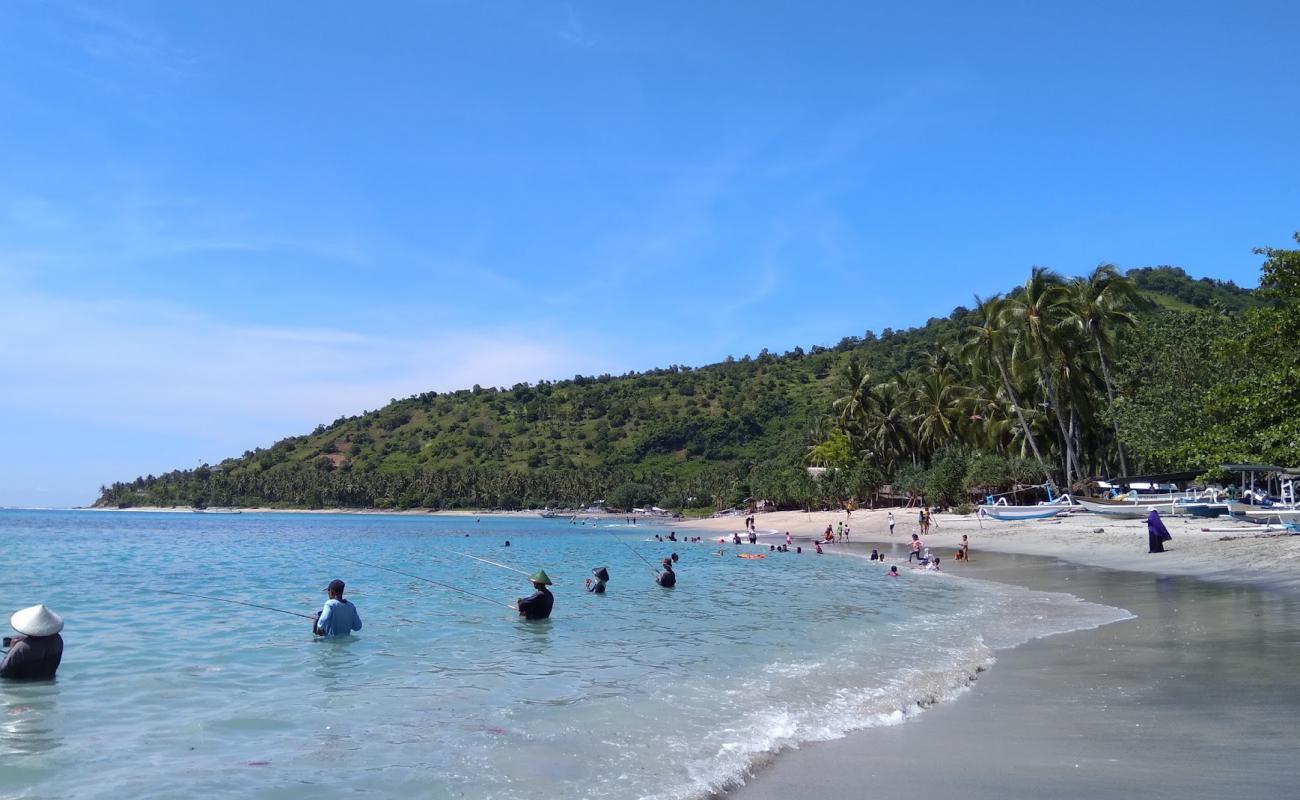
(1238, 552)
(1195, 697)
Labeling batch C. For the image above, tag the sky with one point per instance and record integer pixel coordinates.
(225, 223)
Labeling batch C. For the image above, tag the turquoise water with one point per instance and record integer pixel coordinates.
(643, 692)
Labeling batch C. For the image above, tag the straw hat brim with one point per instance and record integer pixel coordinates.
(36, 621)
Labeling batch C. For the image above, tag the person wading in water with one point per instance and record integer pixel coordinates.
(339, 617)
(538, 605)
(34, 654)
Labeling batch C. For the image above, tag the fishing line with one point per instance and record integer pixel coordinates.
(428, 580)
(489, 561)
(236, 602)
(635, 553)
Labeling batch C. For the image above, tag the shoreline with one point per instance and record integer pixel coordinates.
(1071, 742)
(1138, 707)
(1244, 555)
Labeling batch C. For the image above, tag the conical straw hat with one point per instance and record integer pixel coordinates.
(36, 621)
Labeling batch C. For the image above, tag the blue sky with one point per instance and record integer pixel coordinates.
(223, 223)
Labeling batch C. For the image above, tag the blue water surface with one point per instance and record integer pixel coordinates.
(642, 692)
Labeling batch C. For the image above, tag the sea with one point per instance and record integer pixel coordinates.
(643, 692)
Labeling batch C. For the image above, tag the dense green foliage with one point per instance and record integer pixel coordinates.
(717, 435)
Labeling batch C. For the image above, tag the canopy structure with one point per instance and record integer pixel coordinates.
(1279, 479)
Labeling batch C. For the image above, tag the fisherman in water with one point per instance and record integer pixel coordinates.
(35, 653)
(538, 605)
(602, 577)
(339, 617)
(667, 578)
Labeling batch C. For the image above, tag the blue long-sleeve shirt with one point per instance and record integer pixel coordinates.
(338, 618)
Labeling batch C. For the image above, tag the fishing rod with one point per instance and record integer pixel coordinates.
(236, 602)
(428, 580)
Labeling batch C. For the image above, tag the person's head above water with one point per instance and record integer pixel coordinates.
(507, 542)
(335, 589)
(674, 558)
(893, 570)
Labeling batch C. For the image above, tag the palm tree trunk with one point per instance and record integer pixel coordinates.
(1110, 395)
(1024, 426)
(1071, 463)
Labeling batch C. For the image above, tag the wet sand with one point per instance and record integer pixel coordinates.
(1198, 697)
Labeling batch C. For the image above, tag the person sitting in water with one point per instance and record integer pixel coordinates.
(602, 577)
(537, 605)
(672, 536)
(35, 653)
(507, 542)
(667, 578)
(893, 572)
(798, 550)
(818, 545)
(771, 548)
(933, 566)
(875, 555)
(339, 617)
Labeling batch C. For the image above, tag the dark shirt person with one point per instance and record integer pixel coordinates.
(667, 578)
(537, 605)
(35, 653)
(602, 577)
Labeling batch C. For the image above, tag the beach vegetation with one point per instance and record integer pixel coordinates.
(1055, 381)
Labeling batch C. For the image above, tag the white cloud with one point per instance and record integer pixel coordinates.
(165, 370)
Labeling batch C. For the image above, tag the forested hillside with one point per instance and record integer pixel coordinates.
(681, 437)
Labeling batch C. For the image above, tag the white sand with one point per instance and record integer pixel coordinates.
(1246, 554)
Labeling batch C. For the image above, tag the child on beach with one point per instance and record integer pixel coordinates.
(891, 523)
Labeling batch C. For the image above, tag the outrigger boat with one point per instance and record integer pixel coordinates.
(1005, 512)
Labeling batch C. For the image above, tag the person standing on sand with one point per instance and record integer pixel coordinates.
(891, 523)
(35, 653)
(964, 549)
(339, 617)
(1157, 533)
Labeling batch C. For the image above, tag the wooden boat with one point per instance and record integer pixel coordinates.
(1009, 513)
(1118, 509)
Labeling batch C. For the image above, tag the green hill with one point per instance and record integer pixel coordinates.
(681, 436)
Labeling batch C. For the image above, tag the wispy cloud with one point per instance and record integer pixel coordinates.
(113, 36)
(168, 370)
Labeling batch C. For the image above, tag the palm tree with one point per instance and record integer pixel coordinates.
(990, 340)
(1037, 311)
(1099, 304)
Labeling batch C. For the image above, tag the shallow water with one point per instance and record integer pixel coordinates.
(644, 692)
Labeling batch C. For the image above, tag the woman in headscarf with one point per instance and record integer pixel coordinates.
(1157, 533)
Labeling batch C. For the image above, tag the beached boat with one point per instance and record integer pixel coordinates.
(1118, 509)
(1010, 513)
